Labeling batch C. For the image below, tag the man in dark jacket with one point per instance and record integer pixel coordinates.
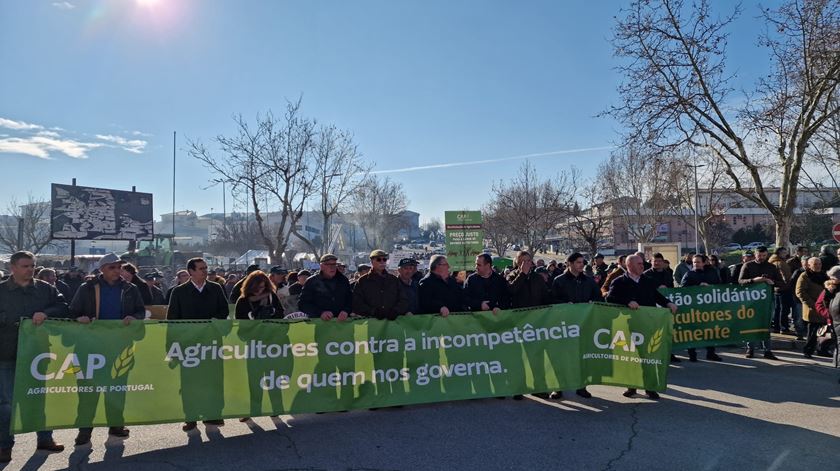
(527, 288)
(22, 296)
(735, 270)
(107, 297)
(827, 258)
(599, 269)
(702, 274)
(408, 284)
(573, 286)
(129, 274)
(634, 290)
(198, 299)
(486, 290)
(657, 272)
(438, 292)
(327, 294)
(760, 271)
(378, 293)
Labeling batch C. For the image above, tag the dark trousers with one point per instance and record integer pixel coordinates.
(811, 340)
(782, 310)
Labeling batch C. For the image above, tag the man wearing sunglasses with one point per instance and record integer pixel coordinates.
(377, 294)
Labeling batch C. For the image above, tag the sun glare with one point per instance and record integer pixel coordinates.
(147, 3)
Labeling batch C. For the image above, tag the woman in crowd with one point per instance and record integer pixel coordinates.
(258, 299)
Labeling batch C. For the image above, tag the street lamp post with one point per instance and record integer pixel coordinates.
(696, 208)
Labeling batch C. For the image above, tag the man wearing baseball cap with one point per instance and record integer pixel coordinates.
(408, 283)
(377, 294)
(326, 294)
(106, 297)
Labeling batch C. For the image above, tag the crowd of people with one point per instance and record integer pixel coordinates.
(804, 297)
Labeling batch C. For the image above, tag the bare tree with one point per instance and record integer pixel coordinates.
(378, 205)
(32, 219)
(677, 90)
(590, 216)
(635, 191)
(236, 237)
(496, 228)
(822, 168)
(532, 206)
(338, 173)
(678, 178)
(269, 160)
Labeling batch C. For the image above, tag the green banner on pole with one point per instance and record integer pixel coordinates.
(464, 238)
(73, 375)
(720, 314)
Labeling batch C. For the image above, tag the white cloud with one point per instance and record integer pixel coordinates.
(63, 5)
(140, 133)
(18, 125)
(135, 146)
(41, 142)
(41, 146)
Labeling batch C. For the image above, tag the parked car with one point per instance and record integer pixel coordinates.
(730, 247)
(753, 245)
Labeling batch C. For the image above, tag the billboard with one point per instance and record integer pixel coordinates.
(85, 213)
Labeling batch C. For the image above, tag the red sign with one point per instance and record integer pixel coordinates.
(835, 231)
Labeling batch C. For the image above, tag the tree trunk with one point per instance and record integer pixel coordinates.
(784, 223)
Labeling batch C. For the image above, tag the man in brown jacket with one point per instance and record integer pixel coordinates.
(378, 294)
(760, 271)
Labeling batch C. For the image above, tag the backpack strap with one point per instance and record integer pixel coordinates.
(96, 296)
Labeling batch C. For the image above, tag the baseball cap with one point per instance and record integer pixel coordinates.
(252, 268)
(278, 270)
(407, 261)
(328, 257)
(109, 259)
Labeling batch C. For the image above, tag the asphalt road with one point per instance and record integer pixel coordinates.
(739, 414)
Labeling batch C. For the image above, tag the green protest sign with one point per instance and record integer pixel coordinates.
(71, 375)
(464, 238)
(720, 314)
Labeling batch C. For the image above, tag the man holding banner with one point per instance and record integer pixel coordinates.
(22, 296)
(573, 286)
(107, 297)
(634, 290)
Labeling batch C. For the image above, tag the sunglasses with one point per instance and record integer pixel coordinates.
(380, 259)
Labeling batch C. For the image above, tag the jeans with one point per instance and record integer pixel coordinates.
(798, 324)
(782, 307)
(7, 387)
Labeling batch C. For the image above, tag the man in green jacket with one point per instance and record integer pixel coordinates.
(22, 296)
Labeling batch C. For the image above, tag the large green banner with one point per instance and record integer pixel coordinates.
(464, 238)
(720, 314)
(71, 375)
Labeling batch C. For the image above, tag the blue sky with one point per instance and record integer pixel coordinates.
(94, 89)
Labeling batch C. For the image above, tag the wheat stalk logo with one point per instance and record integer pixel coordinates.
(655, 341)
(123, 363)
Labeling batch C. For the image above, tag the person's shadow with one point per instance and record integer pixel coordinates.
(260, 370)
(202, 381)
(115, 341)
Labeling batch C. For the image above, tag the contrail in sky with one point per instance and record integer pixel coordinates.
(490, 161)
